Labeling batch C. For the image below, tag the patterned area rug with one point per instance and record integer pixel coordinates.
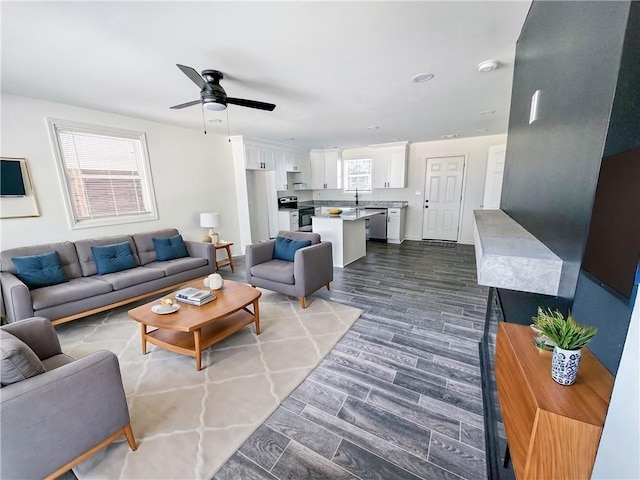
(188, 423)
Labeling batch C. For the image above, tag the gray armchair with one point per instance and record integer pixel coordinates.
(311, 269)
(64, 411)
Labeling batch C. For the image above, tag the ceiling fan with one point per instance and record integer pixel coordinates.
(212, 95)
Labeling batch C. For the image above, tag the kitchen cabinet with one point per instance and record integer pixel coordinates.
(288, 220)
(396, 218)
(326, 169)
(389, 165)
(284, 163)
(258, 158)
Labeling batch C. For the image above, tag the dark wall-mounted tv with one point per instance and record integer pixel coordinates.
(11, 180)
(612, 251)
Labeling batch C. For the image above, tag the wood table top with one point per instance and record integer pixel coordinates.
(233, 296)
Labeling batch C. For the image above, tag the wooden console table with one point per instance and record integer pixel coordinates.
(553, 431)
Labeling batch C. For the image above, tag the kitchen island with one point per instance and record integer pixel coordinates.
(346, 232)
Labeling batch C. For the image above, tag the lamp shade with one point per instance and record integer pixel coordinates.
(210, 220)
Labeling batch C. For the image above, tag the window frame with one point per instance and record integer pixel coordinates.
(345, 182)
(148, 190)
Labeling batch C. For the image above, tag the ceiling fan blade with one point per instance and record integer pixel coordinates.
(184, 105)
(194, 76)
(251, 103)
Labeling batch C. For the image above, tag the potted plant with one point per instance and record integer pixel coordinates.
(569, 338)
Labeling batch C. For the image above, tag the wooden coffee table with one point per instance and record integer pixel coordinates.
(192, 329)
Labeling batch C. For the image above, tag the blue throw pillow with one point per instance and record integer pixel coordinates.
(170, 248)
(113, 258)
(285, 248)
(40, 270)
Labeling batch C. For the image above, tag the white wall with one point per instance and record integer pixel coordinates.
(476, 150)
(192, 173)
(617, 456)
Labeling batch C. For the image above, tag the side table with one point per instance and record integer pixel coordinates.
(229, 260)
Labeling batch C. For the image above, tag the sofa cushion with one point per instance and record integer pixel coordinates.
(85, 255)
(280, 271)
(144, 244)
(113, 258)
(18, 360)
(38, 271)
(285, 248)
(75, 289)
(170, 248)
(66, 253)
(134, 276)
(171, 267)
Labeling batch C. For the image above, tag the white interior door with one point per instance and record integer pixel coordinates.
(443, 197)
(493, 181)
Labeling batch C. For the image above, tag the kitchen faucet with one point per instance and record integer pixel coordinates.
(356, 196)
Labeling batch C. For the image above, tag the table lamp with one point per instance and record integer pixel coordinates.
(210, 220)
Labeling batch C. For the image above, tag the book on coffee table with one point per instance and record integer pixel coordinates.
(194, 296)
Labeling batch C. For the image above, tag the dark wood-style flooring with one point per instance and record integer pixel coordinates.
(400, 395)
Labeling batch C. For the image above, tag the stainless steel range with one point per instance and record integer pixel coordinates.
(288, 202)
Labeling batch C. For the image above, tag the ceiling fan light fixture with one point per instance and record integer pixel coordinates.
(214, 106)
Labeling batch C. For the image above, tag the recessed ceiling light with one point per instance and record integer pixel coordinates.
(422, 77)
(373, 127)
(482, 130)
(487, 66)
(488, 112)
(451, 135)
(214, 120)
(291, 139)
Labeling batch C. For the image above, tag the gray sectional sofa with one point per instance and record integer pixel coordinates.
(86, 292)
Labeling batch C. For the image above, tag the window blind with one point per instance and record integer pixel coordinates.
(104, 174)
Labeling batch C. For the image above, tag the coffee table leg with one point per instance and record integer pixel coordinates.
(143, 336)
(196, 341)
(256, 314)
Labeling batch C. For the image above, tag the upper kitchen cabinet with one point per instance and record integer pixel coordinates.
(326, 169)
(258, 158)
(389, 165)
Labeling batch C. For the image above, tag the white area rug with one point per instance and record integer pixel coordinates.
(188, 423)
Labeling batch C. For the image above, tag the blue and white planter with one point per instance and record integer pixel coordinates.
(564, 365)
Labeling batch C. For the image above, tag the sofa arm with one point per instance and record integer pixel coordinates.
(60, 414)
(202, 250)
(259, 253)
(38, 333)
(312, 268)
(16, 296)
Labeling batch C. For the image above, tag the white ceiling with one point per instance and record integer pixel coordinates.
(332, 68)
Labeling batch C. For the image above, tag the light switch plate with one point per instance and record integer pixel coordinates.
(418, 193)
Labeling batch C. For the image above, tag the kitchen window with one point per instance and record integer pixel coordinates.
(357, 174)
(105, 174)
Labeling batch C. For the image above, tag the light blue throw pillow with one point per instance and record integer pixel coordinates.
(170, 248)
(285, 248)
(113, 258)
(38, 271)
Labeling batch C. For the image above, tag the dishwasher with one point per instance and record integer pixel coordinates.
(377, 225)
